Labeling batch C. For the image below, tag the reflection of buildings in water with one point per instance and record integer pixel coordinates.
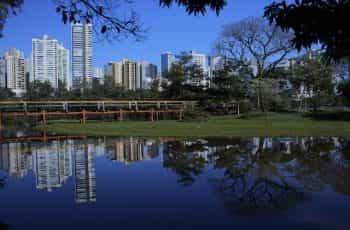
(85, 177)
(99, 148)
(284, 145)
(288, 145)
(131, 150)
(52, 165)
(204, 151)
(15, 159)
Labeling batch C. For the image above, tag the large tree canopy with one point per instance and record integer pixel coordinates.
(324, 22)
(254, 41)
(197, 6)
(106, 14)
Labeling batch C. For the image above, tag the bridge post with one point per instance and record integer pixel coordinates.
(83, 119)
(25, 108)
(180, 115)
(1, 126)
(43, 120)
(238, 112)
(152, 114)
(121, 115)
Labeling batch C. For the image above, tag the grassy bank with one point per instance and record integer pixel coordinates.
(272, 125)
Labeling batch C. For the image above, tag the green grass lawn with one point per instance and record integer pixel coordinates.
(272, 124)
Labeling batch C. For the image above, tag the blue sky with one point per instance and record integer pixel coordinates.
(169, 29)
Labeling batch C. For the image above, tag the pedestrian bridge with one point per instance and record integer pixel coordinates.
(42, 111)
(92, 105)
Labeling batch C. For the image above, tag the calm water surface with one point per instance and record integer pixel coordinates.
(141, 183)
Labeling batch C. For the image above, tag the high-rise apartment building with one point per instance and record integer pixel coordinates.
(215, 63)
(49, 61)
(148, 73)
(117, 73)
(63, 66)
(82, 71)
(132, 75)
(198, 59)
(12, 71)
(126, 74)
(2, 73)
(99, 75)
(167, 59)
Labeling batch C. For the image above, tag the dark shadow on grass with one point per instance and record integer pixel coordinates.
(329, 116)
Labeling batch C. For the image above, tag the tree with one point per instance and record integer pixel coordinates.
(322, 22)
(7, 8)
(184, 78)
(195, 7)
(254, 180)
(255, 40)
(103, 13)
(183, 161)
(275, 98)
(231, 82)
(62, 91)
(344, 89)
(6, 94)
(314, 74)
(38, 90)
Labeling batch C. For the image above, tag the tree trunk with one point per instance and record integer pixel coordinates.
(260, 103)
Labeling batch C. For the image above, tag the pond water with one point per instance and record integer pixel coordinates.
(134, 183)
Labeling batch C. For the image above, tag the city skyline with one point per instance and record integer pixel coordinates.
(160, 37)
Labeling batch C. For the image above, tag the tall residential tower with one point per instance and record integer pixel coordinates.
(82, 71)
(167, 59)
(12, 71)
(49, 61)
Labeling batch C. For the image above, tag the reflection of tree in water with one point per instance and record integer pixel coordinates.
(252, 183)
(3, 226)
(269, 180)
(320, 164)
(181, 160)
(3, 182)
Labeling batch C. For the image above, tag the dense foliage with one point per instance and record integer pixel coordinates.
(322, 22)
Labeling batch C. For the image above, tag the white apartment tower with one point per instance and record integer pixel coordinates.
(63, 66)
(198, 59)
(130, 75)
(49, 61)
(12, 71)
(99, 75)
(82, 71)
(215, 63)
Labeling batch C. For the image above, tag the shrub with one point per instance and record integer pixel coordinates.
(248, 116)
(245, 107)
(195, 115)
(323, 115)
